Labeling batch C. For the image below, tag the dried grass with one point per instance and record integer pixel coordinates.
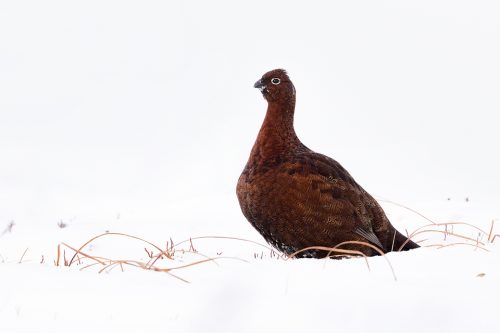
(463, 238)
(164, 259)
(151, 263)
(22, 257)
(348, 253)
(407, 208)
(434, 227)
(8, 229)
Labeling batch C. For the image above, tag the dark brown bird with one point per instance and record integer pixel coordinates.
(297, 198)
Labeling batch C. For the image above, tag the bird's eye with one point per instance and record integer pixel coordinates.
(275, 81)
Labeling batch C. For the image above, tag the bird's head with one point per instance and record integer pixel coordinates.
(276, 86)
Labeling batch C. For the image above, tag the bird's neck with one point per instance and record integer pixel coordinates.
(277, 135)
(279, 121)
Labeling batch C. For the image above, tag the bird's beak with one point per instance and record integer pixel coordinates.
(259, 84)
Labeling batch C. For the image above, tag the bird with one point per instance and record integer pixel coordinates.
(303, 203)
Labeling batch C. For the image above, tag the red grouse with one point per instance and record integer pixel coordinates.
(297, 198)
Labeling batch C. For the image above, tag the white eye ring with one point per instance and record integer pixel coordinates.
(275, 81)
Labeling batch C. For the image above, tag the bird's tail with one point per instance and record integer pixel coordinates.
(402, 243)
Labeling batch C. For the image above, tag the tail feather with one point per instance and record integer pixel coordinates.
(402, 243)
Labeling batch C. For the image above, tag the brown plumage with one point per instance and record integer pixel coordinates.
(297, 198)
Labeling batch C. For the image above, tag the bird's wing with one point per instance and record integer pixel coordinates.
(369, 236)
(340, 199)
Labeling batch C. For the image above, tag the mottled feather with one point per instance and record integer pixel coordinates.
(297, 198)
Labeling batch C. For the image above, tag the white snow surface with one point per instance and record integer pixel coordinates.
(137, 118)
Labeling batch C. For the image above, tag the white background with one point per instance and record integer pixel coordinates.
(106, 106)
(139, 115)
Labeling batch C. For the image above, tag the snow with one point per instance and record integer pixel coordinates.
(435, 290)
(138, 117)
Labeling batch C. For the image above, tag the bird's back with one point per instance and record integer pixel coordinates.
(307, 199)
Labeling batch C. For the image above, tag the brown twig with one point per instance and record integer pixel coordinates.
(24, 253)
(407, 208)
(224, 237)
(420, 231)
(113, 234)
(349, 252)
